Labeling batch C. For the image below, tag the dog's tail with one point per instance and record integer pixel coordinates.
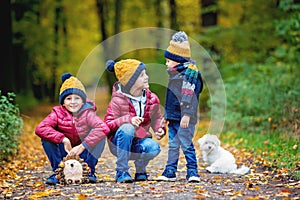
(242, 170)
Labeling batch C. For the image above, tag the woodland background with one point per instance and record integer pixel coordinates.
(254, 43)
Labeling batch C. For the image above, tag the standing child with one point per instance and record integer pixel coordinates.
(73, 128)
(132, 111)
(181, 106)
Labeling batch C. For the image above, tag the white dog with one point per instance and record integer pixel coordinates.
(219, 159)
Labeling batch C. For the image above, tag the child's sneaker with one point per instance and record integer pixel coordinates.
(52, 180)
(123, 177)
(192, 176)
(140, 177)
(168, 175)
(92, 178)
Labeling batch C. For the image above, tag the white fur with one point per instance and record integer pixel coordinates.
(219, 159)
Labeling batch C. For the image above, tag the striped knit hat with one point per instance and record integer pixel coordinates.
(127, 71)
(71, 85)
(179, 48)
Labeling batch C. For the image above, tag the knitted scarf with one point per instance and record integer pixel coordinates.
(191, 73)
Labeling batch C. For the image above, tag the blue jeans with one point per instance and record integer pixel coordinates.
(56, 152)
(126, 147)
(181, 138)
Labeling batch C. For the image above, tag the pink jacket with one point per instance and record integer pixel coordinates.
(84, 127)
(120, 110)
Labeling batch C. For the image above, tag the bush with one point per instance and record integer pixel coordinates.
(11, 125)
(263, 99)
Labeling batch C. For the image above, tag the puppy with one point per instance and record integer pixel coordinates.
(219, 159)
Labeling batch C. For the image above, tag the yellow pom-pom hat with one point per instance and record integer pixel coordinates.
(179, 48)
(71, 85)
(127, 71)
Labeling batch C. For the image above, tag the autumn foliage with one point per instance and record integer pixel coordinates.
(24, 177)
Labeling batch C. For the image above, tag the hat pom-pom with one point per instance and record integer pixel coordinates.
(180, 37)
(65, 76)
(110, 65)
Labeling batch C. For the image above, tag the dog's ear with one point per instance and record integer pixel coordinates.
(217, 141)
(201, 140)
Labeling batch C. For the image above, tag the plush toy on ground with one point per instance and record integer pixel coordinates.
(72, 170)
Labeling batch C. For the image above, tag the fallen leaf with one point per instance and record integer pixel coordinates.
(81, 197)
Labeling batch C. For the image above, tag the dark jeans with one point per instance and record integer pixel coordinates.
(125, 147)
(56, 152)
(181, 138)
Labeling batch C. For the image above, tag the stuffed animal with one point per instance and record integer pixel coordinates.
(72, 170)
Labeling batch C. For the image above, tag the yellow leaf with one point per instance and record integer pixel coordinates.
(38, 184)
(87, 191)
(200, 191)
(269, 119)
(81, 197)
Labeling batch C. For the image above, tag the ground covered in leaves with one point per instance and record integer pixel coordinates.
(24, 177)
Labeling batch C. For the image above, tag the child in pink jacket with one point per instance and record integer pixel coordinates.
(132, 111)
(73, 128)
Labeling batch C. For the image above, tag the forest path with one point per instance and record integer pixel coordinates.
(24, 177)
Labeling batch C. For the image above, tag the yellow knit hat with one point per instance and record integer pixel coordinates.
(127, 71)
(71, 85)
(179, 48)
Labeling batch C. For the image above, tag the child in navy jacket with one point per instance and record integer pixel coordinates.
(181, 106)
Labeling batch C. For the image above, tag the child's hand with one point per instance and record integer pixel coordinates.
(163, 122)
(185, 120)
(160, 133)
(136, 121)
(76, 151)
(67, 144)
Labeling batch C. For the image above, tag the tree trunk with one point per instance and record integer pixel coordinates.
(65, 36)
(159, 23)
(173, 15)
(58, 10)
(209, 18)
(117, 25)
(101, 6)
(7, 72)
(22, 70)
(102, 18)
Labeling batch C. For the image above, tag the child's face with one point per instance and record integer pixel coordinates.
(170, 63)
(142, 81)
(73, 103)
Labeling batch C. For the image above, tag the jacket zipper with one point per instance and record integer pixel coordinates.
(140, 109)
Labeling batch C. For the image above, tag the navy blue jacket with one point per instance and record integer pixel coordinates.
(174, 109)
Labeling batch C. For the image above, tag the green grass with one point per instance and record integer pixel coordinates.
(280, 150)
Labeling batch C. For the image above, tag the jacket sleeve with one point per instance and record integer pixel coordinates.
(99, 129)
(47, 129)
(114, 117)
(156, 115)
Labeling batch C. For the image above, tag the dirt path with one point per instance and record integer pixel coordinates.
(24, 177)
